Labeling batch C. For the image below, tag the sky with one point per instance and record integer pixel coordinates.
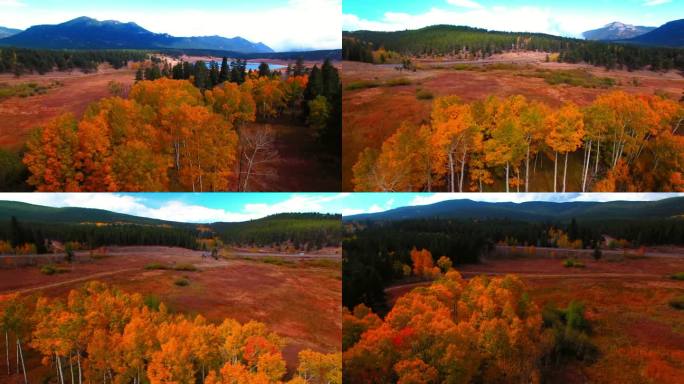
(563, 18)
(191, 207)
(283, 25)
(213, 207)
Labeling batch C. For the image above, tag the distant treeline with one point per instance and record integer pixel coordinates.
(303, 230)
(18, 233)
(374, 253)
(480, 43)
(20, 60)
(319, 55)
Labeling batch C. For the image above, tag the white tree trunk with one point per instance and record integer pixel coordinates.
(78, 361)
(527, 169)
(598, 150)
(451, 172)
(507, 177)
(565, 171)
(59, 367)
(7, 351)
(460, 182)
(23, 367)
(555, 172)
(586, 169)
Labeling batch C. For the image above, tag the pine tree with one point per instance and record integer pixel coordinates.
(299, 68)
(139, 75)
(223, 74)
(264, 70)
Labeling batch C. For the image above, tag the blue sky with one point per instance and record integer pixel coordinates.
(281, 24)
(191, 207)
(566, 18)
(211, 207)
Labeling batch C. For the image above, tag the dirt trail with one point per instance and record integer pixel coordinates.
(471, 274)
(72, 281)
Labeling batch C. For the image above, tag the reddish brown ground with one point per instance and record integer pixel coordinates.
(299, 300)
(301, 164)
(373, 114)
(639, 336)
(18, 116)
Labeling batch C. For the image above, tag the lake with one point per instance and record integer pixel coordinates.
(255, 66)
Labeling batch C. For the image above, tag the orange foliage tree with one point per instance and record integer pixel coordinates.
(102, 334)
(630, 143)
(454, 331)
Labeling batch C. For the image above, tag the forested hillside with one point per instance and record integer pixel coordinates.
(441, 40)
(26, 228)
(534, 211)
(304, 230)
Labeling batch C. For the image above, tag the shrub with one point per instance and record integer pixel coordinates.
(69, 250)
(677, 303)
(185, 267)
(152, 266)
(51, 269)
(281, 261)
(571, 332)
(424, 95)
(398, 82)
(573, 263)
(677, 276)
(183, 282)
(152, 302)
(597, 253)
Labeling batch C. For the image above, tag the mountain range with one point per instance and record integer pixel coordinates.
(88, 33)
(616, 31)
(533, 211)
(670, 34)
(6, 32)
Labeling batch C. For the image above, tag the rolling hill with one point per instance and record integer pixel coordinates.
(316, 230)
(42, 214)
(88, 33)
(533, 211)
(616, 31)
(668, 35)
(6, 32)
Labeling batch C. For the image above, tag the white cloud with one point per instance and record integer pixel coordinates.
(11, 3)
(296, 25)
(650, 3)
(173, 210)
(507, 18)
(465, 3)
